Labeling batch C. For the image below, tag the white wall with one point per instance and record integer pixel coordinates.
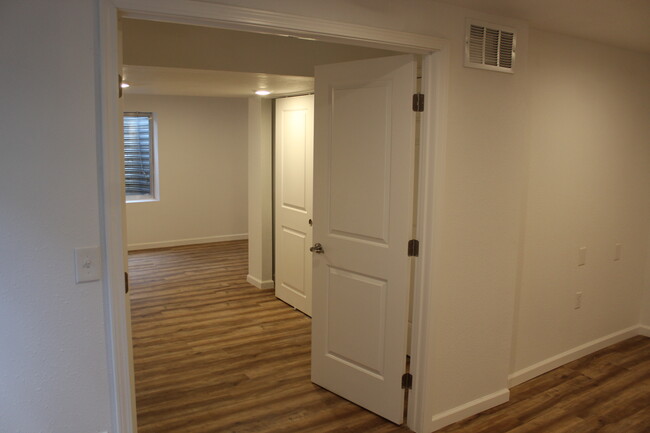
(479, 230)
(53, 360)
(203, 169)
(589, 186)
(56, 363)
(260, 194)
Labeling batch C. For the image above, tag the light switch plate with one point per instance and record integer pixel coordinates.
(88, 264)
(618, 252)
(582, 256)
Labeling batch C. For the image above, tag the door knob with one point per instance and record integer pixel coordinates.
(317, 248)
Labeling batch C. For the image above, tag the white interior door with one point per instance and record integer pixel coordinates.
(363, 204)
(294, 144)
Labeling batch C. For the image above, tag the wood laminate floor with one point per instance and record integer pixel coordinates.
(214, 354)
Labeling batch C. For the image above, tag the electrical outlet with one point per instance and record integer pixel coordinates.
(578, 304)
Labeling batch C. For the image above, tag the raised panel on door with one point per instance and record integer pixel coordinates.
(363, 201)
(360, 161)
(293, 200)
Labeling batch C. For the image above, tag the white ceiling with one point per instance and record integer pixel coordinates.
(622, 23)
(156, 80)
(176, 59)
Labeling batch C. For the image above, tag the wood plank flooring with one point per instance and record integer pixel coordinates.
(605, 392)
(215, 354)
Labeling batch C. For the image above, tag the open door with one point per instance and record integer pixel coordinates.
(363, 206)
(294, 144)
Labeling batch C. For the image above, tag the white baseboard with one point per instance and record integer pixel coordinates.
(644, 330)
(268, 284)
(549, 364)
(461, 412)
(190, 241)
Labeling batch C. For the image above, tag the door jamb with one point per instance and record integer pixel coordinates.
(433, 132)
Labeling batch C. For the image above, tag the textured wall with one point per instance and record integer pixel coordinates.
(53, 360)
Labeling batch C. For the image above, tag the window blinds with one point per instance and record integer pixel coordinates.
(138, 153)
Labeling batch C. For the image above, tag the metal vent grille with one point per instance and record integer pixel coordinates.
(490, 47)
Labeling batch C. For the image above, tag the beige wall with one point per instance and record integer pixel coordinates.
(588, 186)
(478, 234)
(53, 357)
(52, 331)
(203, 171)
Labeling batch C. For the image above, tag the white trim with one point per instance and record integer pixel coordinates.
(229, 17)
(461, 412)
(549, 364)
(433, 139)
(644, 330)
(189, 241)
(111, 199)
(268, 284)
(144, 198)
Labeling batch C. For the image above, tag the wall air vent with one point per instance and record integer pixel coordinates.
(488, 46)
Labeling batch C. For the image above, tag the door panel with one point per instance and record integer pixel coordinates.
(360, 156)
(294, 132)
(363, 204)
(358, 343)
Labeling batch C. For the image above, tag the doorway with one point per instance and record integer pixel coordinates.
(111, 160)
(184, 139)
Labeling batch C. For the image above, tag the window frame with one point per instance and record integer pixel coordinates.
(154, 195)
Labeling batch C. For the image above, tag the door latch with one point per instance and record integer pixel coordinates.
(317, 248)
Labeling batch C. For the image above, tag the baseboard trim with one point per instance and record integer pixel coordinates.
(190, 241)
(468, 409)
(644, 330)
(268, 284)
(549, 364)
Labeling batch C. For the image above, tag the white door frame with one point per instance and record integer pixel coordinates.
(433, 141)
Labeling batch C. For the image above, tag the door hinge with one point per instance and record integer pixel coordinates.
(126, 282)
(418, 102)
(407, 381)
(119, 86)
(414, 248)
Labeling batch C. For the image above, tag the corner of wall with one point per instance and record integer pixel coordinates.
(260, 210)
(645, 309)
(468, 409)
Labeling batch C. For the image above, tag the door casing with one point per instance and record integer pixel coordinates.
(435, 76)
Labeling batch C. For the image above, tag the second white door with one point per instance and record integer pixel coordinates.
(294, 142)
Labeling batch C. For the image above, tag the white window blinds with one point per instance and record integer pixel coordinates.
(138, 155)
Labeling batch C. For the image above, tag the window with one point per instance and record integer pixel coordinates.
(139, 157)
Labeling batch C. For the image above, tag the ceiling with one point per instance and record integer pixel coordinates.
(176, 59)
(156, 80)
(622, 23)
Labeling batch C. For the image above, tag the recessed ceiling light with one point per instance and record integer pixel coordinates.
(124, 85)
(262, 92)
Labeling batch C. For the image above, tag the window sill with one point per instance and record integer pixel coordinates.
(141, 200)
